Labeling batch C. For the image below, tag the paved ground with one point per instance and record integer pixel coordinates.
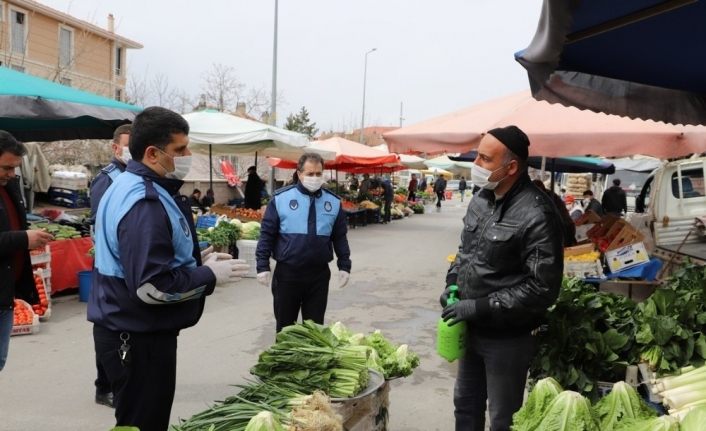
(398, 273)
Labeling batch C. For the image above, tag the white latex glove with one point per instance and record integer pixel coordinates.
(206, 252)
(264, 278)
(343, 277)
(226, 270)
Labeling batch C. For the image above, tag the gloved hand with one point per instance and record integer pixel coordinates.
(226, 270)
(343, 277)
(264, 278)
(206, 252)
(460, 311)
(444, 298)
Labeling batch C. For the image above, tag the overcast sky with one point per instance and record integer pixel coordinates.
(433, 56)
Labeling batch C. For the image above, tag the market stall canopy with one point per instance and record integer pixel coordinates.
(637, 163)
(35, 109)
(409, 161)
(437, 171)
(554, 131)
(575, 165)
(638, 58)
(351, 154)
(228, 134)
(447, 162)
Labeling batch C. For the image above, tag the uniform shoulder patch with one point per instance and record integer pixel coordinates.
(284, 189)
(110, 168)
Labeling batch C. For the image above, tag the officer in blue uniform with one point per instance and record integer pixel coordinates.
(148, 281)
(121, 155)
(303, 225)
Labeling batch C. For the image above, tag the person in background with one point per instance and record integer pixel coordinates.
(353, 184)
(439, 189)
(15, 241)
(195, 200)
(208, 200)
(303, 225)
(563, 194)
(574, 207)
(149, 281)
(412, 187)
(567, 224)
(388, 196)
(508, 270)
(422, 186)
(121, 156)
(253, 189)
(591, 204)
(614, 200)
(462, 187)
(364, 188)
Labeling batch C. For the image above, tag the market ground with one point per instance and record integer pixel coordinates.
(398, 274)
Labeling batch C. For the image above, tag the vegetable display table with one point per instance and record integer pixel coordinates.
(68, 257)
(356, 217)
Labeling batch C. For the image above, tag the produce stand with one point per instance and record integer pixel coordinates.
(26, 321)
(369, 410)
(356, 217)
(69, 257)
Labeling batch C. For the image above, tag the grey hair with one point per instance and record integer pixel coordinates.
(309, 157)
(510, 156)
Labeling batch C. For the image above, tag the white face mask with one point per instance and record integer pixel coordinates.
(312, 183)
(481, 177)
(126, 156)
(182, 165)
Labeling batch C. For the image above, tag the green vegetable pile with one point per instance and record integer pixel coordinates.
(590, 336)
(308, 357)
(222, 235)
(59, 231)
(251, 230)
(672, 322)
(550, 408)
(390, 360)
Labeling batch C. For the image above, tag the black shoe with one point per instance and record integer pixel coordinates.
(105, 399)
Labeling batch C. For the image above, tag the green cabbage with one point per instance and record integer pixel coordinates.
(251, 230)
(264, 421)
(532, 412)
(662, 423)
(695, 420)
(621, 403)
(569, 411)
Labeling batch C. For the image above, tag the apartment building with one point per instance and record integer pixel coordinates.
(45, 42)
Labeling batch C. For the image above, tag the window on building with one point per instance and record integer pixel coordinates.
(118, 94)
(65, 46)
(19, 31)
(65, 81)
(18, 68)
(118, 60)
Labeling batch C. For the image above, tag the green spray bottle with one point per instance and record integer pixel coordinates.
(450, 339)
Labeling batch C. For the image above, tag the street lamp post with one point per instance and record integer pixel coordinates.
(365, 78)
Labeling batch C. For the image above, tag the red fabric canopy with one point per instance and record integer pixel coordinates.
(553, 130)
(350, 157)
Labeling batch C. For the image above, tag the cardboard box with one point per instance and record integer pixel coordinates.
(627, 257)
(582, 232)
(579, 249)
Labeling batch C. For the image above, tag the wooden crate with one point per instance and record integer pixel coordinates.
(370, 413)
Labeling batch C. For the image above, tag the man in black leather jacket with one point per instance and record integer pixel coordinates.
(508, 270)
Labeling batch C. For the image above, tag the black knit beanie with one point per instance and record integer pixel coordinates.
(513, 138)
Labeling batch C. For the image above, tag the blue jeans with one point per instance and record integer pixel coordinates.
(493, 370)
(6, 318)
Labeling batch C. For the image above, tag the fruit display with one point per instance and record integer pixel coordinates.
(244, 214)
(43, 308)
(59, 231)
(368, 205)
(24, 321)
(349, 206)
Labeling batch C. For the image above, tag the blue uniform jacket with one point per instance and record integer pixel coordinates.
(102, 181)
(141, 283)
(302, 229)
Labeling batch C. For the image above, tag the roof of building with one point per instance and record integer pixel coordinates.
(71, 20)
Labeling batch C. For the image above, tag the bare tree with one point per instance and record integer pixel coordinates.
(137, 91)
(163, 93)
(221, 88)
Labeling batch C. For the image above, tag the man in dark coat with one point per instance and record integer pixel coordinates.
(614, 199)
(15, 241)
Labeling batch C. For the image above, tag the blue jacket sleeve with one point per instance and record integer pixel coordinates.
(146, 251)
(269, 230)
(98, 187)
(340, 241)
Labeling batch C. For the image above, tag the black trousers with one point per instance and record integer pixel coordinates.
(143, 388)
(295, 289)
(439, 198)
(102, 382)
(492, 370)
(388, 207)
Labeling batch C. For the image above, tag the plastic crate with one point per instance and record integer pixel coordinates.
(68, 198)
(206, 221)
(45, 274)
(38, 257)
(246, 251)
